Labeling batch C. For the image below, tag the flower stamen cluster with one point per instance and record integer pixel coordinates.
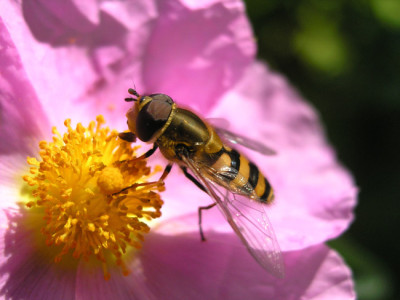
(80, 186)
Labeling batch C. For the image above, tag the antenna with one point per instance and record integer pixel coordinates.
(134, 93)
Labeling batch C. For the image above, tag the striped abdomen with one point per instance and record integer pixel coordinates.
(241, 176)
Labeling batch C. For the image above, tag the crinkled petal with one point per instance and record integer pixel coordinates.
(315, 195)
(197, 52)
(22, 120)
(77, 60)
(54, 72)
(173, 268)
(188, 268)
(96, 51)
(77, 72)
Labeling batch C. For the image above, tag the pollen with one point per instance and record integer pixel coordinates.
(94, 194)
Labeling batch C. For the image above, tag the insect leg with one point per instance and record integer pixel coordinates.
(127, 136)
(201, 208)
(145, 155)
(192, 179)
(148, 153)
(200, 186)
(166, 172)
(135, 185)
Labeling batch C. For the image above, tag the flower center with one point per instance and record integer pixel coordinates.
(81, 185)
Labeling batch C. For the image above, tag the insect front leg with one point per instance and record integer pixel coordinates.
(130, 137)
(143, 156)
(135, 185)
(148, 153)
(127, 136)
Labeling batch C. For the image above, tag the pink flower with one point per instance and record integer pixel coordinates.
(76, 59)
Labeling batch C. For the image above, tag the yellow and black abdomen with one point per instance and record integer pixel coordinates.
(241, 176)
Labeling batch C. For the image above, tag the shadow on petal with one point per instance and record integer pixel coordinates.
(168, 267)
(22, 120)
(183, 267)
(49, 23)
(27, 273)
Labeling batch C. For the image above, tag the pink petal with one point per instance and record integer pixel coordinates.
(81, 16)
(196, 69)
(193, 4)
(181, 196)
(333, 279)
(89, 54)
(91, 285)
(12, 186)
(22, 121)
(27, 274)
(70, 67)
(172, 268)
(315, 195)
(184, 267)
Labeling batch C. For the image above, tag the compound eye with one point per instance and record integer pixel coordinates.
(162, 98)
(152, 117)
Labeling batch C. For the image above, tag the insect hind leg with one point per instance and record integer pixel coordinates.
(200, 211)
(201, 208)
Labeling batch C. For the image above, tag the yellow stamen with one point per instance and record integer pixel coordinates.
(77, 187)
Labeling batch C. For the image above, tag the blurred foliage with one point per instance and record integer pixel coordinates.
(344, 57)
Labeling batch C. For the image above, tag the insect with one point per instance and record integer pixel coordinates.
(235, 184)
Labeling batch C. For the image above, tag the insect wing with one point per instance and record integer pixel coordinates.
(248, 219)
(235, 138)
(218, 122)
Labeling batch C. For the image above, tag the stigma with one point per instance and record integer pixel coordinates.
(95, 196)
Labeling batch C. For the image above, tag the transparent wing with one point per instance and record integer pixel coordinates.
(219, 122)
(235, 138)
(247, 218)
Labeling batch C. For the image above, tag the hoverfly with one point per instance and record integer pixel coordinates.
(235, 184)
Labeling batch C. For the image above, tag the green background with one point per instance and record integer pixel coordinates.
(344, 57)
